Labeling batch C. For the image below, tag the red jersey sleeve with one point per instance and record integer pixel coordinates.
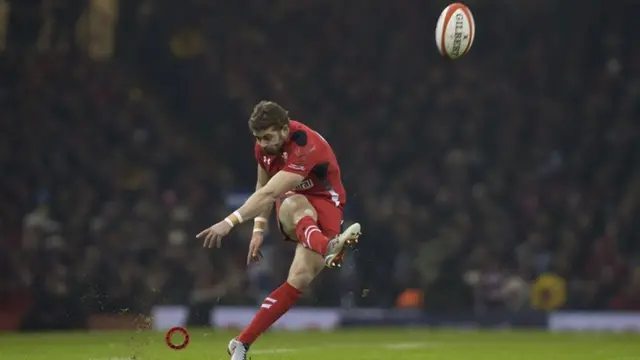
(302, 159)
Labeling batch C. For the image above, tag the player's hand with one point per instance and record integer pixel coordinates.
(254, 247)
(213, 235)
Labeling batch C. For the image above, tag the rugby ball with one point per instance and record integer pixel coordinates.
(455, 31)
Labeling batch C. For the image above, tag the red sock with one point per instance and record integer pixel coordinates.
(310, 235)
(273, 307)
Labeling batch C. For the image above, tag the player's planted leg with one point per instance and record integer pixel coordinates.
(305, 267)
(313, 253)
(237, 350)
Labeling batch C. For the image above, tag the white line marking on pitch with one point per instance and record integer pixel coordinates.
(275, 351)
(390, 346)
(409, 345)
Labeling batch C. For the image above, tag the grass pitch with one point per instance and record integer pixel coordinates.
(357, 344)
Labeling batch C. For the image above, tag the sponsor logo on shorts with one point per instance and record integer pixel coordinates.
(305, 185)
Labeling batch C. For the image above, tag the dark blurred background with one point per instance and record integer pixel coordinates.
(508, 179)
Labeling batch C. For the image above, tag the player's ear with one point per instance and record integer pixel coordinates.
(285, 130)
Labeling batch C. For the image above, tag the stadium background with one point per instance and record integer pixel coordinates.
(502, 186)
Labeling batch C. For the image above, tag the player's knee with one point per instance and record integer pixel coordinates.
(301, 277)
(305, 267)
(293, 209)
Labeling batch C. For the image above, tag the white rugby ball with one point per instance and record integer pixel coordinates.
(455, 31)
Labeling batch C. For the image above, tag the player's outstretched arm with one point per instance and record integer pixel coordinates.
(266, 196)
(299, 163)
(279, 184)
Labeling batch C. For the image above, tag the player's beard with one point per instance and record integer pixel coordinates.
(272, 150)
(275, 149)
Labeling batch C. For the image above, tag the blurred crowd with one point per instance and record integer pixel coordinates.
(508, 178)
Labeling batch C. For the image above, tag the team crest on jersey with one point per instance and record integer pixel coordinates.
(266, 160)
(285, 156)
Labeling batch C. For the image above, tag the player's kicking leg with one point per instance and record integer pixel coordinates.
(298, 219)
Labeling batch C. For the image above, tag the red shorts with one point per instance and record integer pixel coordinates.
(329, 215)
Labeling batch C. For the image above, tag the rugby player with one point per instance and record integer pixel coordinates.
(299, 173)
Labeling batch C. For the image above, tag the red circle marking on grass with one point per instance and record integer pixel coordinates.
(174, 330)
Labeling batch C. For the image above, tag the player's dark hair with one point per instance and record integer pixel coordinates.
(266, 115)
